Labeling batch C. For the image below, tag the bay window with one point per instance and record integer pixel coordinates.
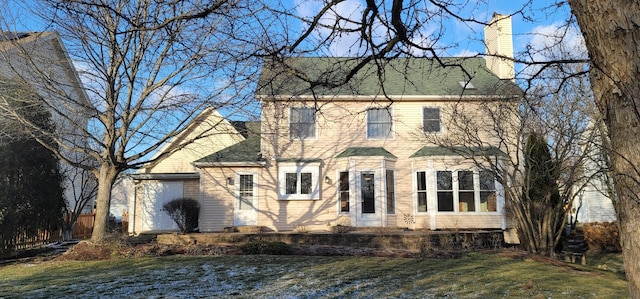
(445, 191)
(463, 191)
(487, 192)
(343, 192)
(421, 189)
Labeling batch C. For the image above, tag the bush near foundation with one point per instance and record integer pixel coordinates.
(602, 236)
(184, 211)
(259, 247)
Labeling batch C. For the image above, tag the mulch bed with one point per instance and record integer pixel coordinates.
(85, 251)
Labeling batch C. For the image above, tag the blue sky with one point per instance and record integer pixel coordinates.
(533, 27)
(533, 22)
(537, 15)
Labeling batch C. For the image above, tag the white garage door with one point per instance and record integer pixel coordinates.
(154, 195)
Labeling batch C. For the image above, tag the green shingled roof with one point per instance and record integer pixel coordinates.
(401, 76)
(365, 152)
(247, 150)
(428, 151)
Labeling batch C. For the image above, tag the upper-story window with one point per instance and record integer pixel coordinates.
(379, 123)
(431, 119)
(302, 124)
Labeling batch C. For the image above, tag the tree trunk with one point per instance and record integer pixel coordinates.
(106, 177)
(612, 34)
(67, 232)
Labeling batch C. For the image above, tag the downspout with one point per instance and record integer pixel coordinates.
(135, 201)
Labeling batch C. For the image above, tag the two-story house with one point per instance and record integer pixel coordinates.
(363, 153)
(39, 62)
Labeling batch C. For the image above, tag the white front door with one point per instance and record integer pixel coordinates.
(246, 203)
(154, 195)
(368, 207)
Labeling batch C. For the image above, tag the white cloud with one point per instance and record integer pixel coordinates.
(346, 44)
(465, 53)
(556, 41)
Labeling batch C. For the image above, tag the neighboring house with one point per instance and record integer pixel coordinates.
(593, 204)
(28, 57)
(594, 201)
(358, 154)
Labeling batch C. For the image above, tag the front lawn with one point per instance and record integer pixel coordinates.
(474, 275)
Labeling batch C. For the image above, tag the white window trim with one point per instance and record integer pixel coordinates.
(393, 124)
(432, 192)
(395, 192)
(337, 184)
(415, 191)
(255, 190)
(441, 131)
(298, 168)
(315, 122)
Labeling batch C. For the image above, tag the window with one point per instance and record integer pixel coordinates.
(463, 191)
(299, 181)
(368, 192)
(303, 123)
(487, 192)
(379, 123)
(343, 190)
(445, 191)
(431, 119)
(304, 185)
(391, 192)
(466, 198)
(421, 188)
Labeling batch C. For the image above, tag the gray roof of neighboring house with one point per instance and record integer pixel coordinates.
(9, 35)
(365, 152)
(247, 150)
(400, 76)
(427, 151)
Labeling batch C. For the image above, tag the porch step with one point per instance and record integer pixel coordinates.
(576, 242)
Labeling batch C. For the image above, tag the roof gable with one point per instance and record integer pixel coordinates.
(247, 150)
(207, 133)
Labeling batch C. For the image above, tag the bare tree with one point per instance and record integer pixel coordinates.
(113, 31)
(610, 30)
(82, 189)
(148, 68)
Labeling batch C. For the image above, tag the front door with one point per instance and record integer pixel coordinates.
(246, 205)
(368, 206)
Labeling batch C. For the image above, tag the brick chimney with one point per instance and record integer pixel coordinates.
(499, 42)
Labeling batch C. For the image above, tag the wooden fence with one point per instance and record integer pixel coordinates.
(84, 226)
(24, 240)
(81, 230)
